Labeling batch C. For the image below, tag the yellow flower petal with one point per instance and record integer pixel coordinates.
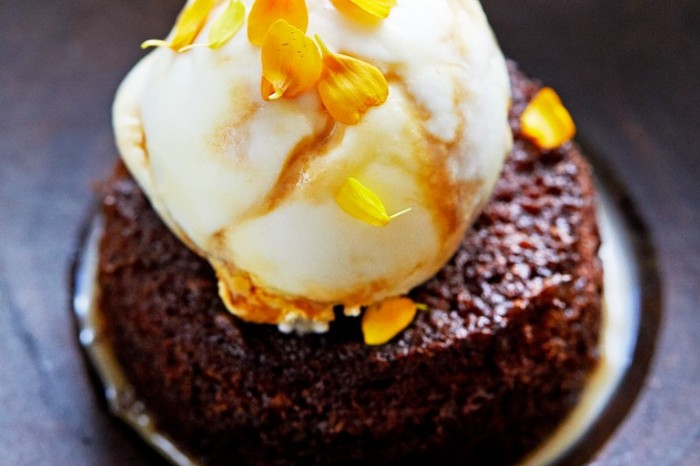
(264, 13)
(546, 121)
(228, 24)
(362, 203)
(348, 86)
(188, 25)
(382, 322)
(358, 201)
(291, 62)
(360, 9)
(225, 26)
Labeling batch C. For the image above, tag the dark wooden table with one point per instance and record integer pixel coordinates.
(629, 71)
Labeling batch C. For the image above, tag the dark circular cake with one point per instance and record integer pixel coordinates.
(500, 357)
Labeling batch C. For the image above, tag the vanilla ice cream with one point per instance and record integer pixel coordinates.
(251, 185)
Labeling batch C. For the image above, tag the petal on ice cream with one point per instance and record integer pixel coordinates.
(264, 13)
(348, 86)
(362, 203)
(225, 27)
(291, 63)
(359, 8)
(188, 25)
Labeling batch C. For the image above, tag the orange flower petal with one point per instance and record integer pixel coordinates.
(365, 9)
(264, 13)
(267, 90)
(187, 27)
(349, 86)
(546, 121)
(382, 322)
(291, 62)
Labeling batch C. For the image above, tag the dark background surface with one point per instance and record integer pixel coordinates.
(628, 70)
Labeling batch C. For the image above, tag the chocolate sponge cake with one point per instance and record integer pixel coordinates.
(498, 358)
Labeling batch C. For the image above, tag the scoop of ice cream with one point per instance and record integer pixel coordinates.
(251, 185)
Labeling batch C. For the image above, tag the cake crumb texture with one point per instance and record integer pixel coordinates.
(481, 378)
